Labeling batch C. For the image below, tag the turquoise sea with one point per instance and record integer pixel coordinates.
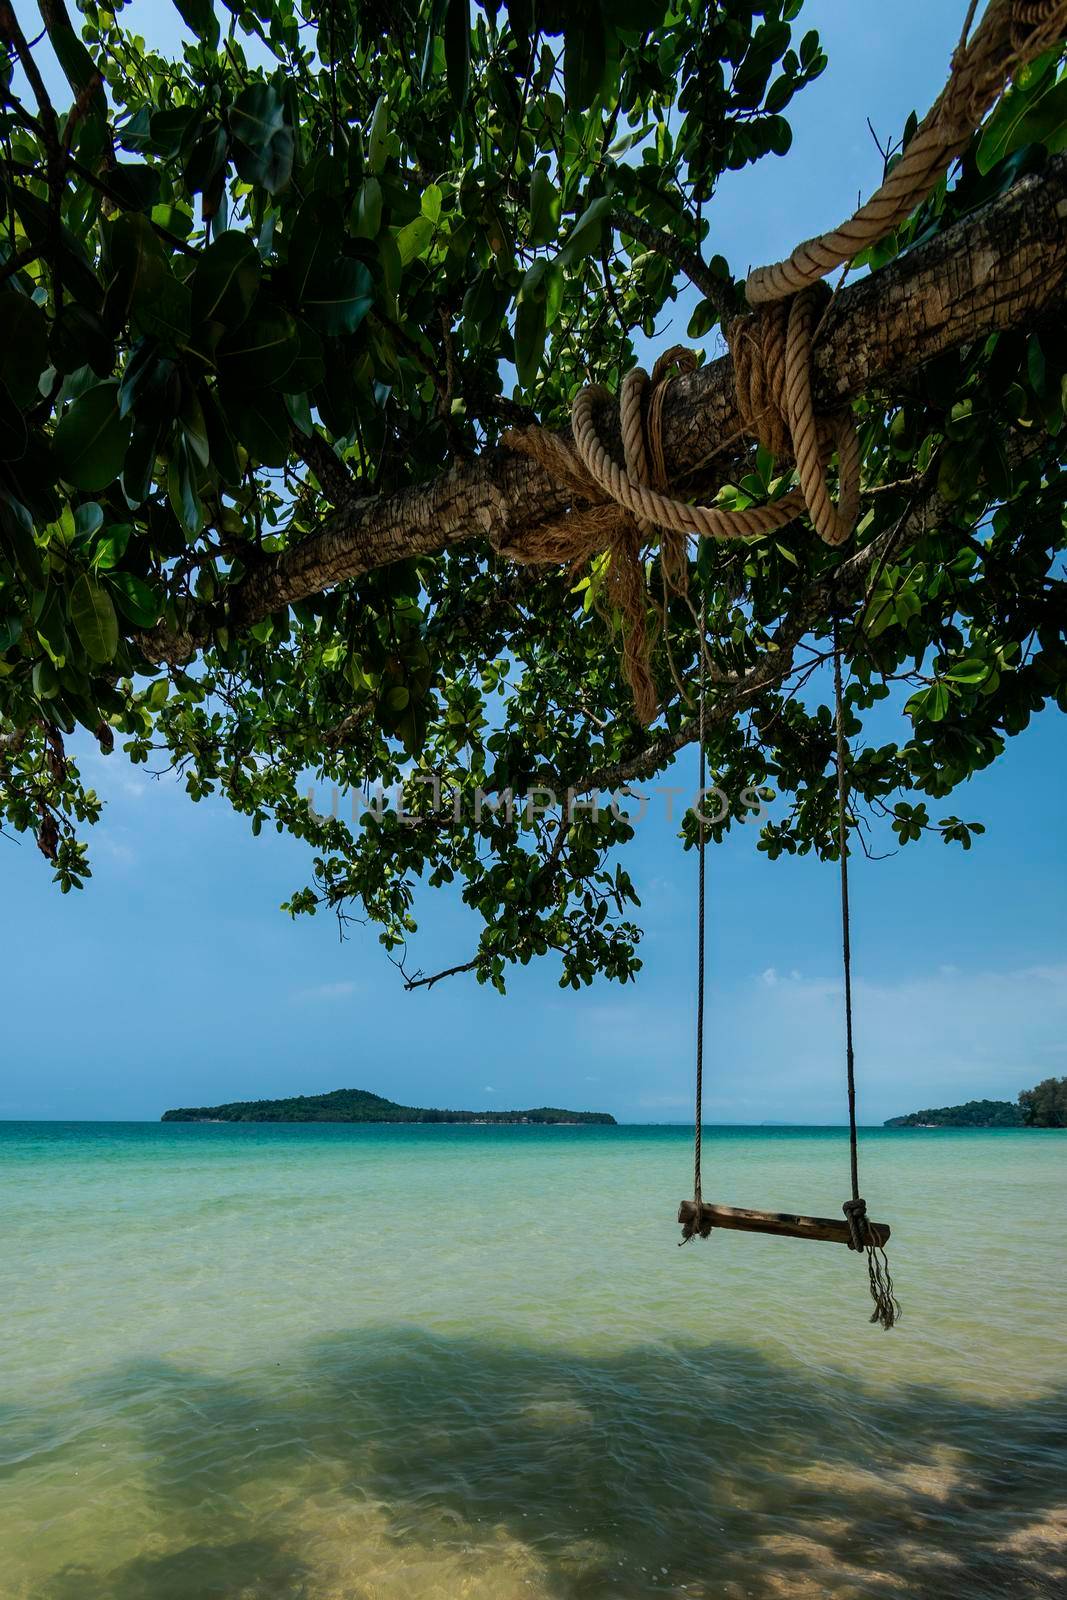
(332, 1363)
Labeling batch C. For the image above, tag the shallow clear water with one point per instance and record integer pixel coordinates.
(390, 1364)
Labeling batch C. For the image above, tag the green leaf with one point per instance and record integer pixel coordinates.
(24, 348)
(703, 320)
(971, 670)
(142, 284)
(79, 339)
(226, 280)
(584, 237)
(544, 208)
(554, 283)
(458, 50)
(44, 679)
(183, 490)
(1034, 115)
(339, 296)
(635, 16)
(224, 458)
(937, 705)
(90, 443)
(93, 616)
(314, 242)
(369, 208)
(201, 18)
(109, 551)
(414, 239)
(309, 368)
(206, 157)
(584, 57)
(530, 324)
(262, 350)
(16, 536)
(260, 420)
(14, 435)
(135, 185)
(929, 705)
(263, 144)
(141, 604)
(378, 135)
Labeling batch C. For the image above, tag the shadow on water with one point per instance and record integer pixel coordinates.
(628, 1473)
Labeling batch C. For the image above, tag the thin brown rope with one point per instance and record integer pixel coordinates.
(862, 1233)
(1011, 34)
(696, 1224)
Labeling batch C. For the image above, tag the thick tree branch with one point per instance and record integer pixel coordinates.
(1003, 267)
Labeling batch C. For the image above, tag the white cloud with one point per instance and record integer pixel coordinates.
(775, 1044)
(324, 992)
(921, 1040)
(115, 850)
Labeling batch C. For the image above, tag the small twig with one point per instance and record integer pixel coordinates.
(419, 982)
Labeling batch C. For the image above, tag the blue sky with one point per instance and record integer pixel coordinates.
(173, 979)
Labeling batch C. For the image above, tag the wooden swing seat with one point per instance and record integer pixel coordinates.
(783, 1223)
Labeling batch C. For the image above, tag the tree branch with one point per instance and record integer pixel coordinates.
(449, 972)
(1003, 267)
(718, 291)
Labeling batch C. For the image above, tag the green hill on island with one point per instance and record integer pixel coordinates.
(359, 1105)
(1044, 1106)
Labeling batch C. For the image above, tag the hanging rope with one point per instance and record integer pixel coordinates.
(862, 1233)
(696, 1225)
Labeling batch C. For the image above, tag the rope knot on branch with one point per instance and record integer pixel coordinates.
(610, 521)
(772, 353)
(626, 504)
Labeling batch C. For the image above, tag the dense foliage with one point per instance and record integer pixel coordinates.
(1046, 1105)
(336, 247)
(359, 1105)
(974, 1114)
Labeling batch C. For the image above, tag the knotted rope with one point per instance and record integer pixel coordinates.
(628, 503)
(620, 508)
(609, 522)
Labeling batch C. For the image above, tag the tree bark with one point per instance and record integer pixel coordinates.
(1003, 267)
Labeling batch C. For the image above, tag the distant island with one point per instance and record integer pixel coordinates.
(1042, 1107)
(359, 1105)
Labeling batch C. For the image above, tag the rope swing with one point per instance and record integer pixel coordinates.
(620, 509)
(857, 1231)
